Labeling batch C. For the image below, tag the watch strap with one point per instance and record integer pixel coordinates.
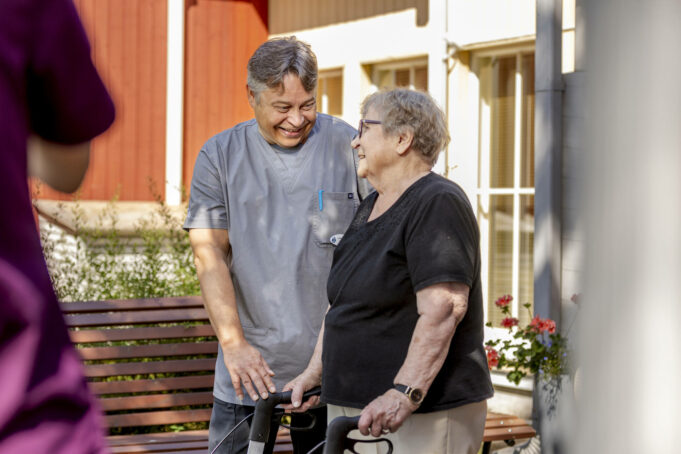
(402, 388)
(415, 395)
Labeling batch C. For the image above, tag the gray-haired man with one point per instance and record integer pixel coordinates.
(269, 199)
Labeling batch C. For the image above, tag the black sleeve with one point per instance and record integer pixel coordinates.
(442, 242)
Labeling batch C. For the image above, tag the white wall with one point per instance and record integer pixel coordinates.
(481, 21)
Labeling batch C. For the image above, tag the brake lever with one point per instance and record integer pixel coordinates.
(289, 426)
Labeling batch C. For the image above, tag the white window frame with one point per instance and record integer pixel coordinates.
(483, 191)
(394, 66)
(323, 104)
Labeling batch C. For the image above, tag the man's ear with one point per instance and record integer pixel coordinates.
(404, 141)
(251, 97)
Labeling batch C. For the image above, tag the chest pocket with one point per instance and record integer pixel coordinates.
(330, 216)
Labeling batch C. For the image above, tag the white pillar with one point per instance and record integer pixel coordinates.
(548, 156)
(630, 311)
(175, 102)
(437, 63)
(548, 141)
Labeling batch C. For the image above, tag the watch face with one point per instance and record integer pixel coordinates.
(416, 395)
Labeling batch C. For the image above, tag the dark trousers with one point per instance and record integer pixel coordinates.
(226, 416)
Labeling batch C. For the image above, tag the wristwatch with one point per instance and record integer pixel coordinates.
(415, 395)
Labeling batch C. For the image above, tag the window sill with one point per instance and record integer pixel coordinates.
(499, 380)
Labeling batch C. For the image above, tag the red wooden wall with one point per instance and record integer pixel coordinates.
(129, 44)
(221, 36)
(128, 39)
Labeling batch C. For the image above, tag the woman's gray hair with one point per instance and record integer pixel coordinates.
(278, 57)
(403, 109)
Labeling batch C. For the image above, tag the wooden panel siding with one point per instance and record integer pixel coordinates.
(288, 16)
(128, 39)
(221, 36)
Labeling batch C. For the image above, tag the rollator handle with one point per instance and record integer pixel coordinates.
(337, 433)
(337, 440)
(260, 427)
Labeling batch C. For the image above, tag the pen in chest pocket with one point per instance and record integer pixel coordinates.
(321, 201)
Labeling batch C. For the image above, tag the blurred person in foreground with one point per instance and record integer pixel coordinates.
(402, 342)
(52, 102)
(269, 200)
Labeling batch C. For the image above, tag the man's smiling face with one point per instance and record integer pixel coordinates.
(286, 114)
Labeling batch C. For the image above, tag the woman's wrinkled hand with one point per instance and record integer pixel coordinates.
(385, 414)
(302, 383)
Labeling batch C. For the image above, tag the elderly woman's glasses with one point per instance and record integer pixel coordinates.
(366, 122)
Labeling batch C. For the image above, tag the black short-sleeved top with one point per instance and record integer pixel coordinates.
(428, 236)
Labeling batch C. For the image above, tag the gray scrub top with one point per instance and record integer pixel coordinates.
(281, 213)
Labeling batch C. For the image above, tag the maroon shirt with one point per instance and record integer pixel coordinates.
(49, 87)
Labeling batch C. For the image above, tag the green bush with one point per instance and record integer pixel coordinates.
(156, 262)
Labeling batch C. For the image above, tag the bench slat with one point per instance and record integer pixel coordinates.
(136, 317)
(159, 384)
(509, 433)
(132, 305)
(156, 401)
(160, 437)
(176, 448)
(282, 445)
(495, 416)
(152, 418)
(149, 350)
(152, 332)
(152, 367)
(507, 422)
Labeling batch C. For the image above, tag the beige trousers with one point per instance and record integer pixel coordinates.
(455, 431)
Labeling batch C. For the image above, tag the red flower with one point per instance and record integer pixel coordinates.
(503, 301)
(550, 325)
(492, 357)
(509, 322)
(539, 325)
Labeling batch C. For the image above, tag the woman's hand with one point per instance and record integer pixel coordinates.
(385, 414)
(303, 382)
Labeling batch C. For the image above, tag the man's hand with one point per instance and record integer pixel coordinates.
(385, 414)
(249, 369)
(245, 364)
(303, 382)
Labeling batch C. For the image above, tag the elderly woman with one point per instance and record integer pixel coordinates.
(402, 341)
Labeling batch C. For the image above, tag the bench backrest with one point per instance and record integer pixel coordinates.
(149, 361)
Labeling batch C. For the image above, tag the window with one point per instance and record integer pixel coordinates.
(505, 191)
(330, 92)
(412, 74)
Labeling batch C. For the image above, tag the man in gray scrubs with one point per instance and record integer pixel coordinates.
(269, 200)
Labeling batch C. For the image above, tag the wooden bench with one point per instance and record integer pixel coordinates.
(508, 428)
(150, 362)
